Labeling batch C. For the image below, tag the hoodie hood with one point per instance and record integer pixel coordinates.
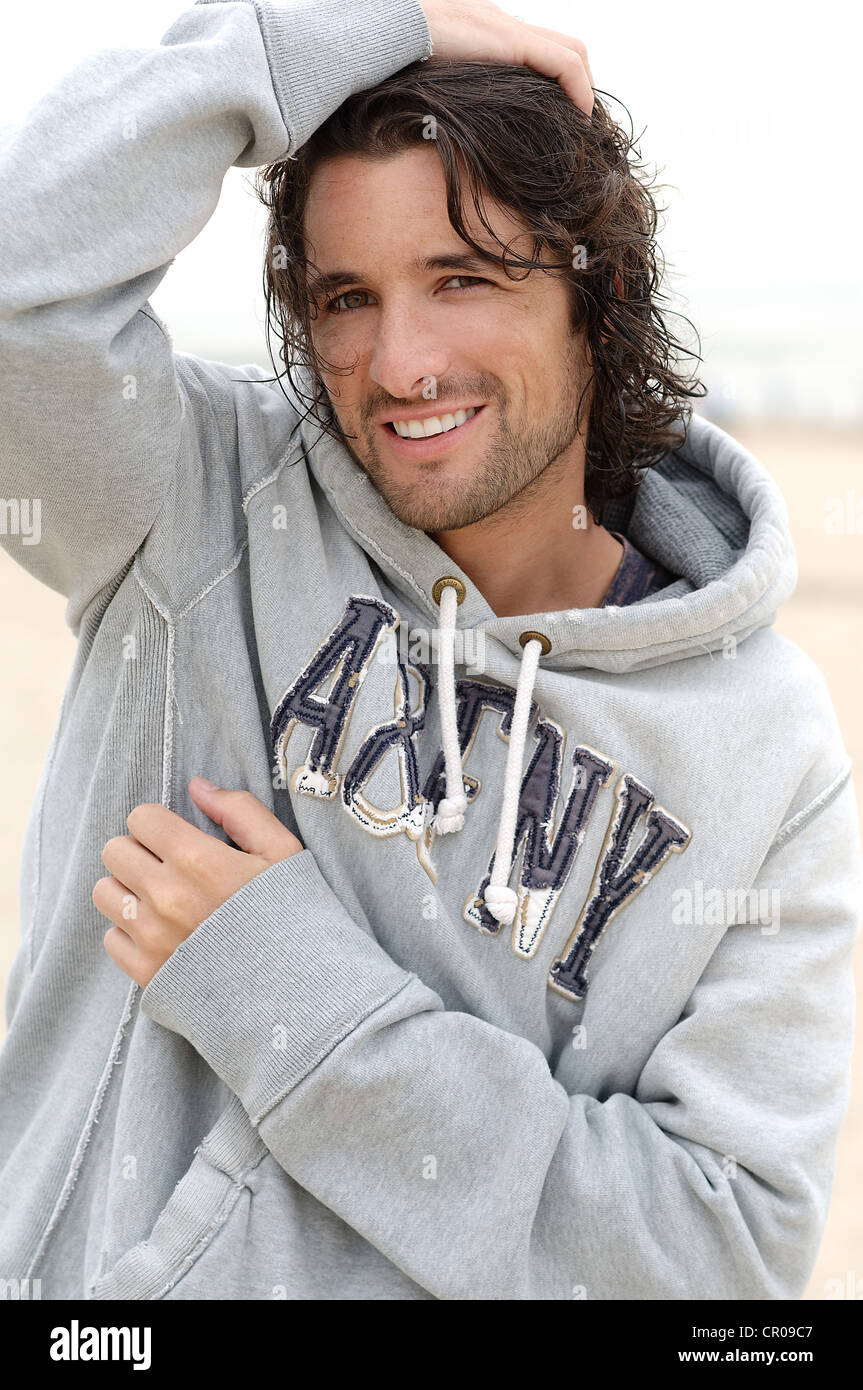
(709, 512)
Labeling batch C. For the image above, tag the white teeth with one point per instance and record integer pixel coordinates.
(419, 429)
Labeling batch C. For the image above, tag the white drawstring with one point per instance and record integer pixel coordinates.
(500, 899)
(451, 808)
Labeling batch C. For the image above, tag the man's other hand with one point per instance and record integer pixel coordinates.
(167, 876)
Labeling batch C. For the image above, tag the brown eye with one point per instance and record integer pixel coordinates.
(473, 279)
(333, 305)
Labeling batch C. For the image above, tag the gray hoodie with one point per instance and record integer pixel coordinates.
(355, 1080)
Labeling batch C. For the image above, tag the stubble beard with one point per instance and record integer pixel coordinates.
(503, 479)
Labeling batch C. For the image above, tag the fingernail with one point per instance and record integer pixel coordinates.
(205, 782)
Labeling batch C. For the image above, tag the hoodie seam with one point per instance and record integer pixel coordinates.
(184, 605)
(216, 1224)
(112, 587)
(819, 803)
(137, 1281)
(388, 559)
(168, 723)
(351, 525)
(86, 1133)
(40, 817)
(230, 565)
(104, 1080)
(215, 580)
(294, 451)
(330, 1046)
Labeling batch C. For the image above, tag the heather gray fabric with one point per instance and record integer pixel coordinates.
(346, 1083)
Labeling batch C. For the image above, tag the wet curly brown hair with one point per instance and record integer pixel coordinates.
(573, 181)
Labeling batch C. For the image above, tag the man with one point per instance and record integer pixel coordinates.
(506, 952)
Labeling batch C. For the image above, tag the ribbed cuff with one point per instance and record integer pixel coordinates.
(320, 52)
(269, 983)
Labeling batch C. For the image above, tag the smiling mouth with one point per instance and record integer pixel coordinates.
(433, 425)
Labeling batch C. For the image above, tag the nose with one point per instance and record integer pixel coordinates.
(408, 356)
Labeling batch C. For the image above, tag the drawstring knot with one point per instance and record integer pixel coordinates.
(450, 813)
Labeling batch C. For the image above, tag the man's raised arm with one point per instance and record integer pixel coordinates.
(107, 179)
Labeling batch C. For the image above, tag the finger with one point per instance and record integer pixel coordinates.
(165, 833)
(250, 824)
(567, 41)
(560, 62)
(132, 863)
(123, 952)
(118, 903)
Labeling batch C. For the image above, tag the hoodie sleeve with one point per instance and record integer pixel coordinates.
(450, 1146)
(107, 179)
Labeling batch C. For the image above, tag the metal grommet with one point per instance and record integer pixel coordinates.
(526, 637)
(451, 581)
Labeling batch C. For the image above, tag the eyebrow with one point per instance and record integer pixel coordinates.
(467, 261)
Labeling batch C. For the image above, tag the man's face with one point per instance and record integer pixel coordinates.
(426, 339)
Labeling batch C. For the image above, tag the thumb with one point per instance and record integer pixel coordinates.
(252, 827)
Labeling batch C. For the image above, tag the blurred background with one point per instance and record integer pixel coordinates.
(746, 116)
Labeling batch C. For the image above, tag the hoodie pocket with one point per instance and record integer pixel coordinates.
(196, 1211)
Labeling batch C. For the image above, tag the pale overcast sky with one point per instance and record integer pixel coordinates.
(746, 108)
